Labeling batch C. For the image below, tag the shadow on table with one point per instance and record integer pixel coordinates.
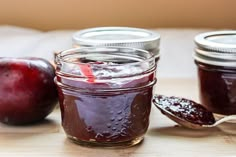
(72, 143)
(44, 126)
(76, 149)
(224, 129)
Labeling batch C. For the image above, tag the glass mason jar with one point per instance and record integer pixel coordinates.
(105, 94)
(216, 60)
(118, 36)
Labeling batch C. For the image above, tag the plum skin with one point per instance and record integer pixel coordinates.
(27, 90)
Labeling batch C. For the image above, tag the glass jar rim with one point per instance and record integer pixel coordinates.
(61, 57)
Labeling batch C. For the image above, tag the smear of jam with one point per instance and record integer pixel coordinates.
(86, 68)
(185, 109)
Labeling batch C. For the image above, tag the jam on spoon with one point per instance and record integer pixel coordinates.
(184, 109)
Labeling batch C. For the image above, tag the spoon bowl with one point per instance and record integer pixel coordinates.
(169, 105)
(179, 120)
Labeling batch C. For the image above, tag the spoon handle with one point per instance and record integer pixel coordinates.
(224, 119)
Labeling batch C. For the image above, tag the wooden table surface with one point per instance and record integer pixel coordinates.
(163, 138)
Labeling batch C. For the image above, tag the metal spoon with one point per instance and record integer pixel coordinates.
(191, 125)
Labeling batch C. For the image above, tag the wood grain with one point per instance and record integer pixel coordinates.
(163, 138)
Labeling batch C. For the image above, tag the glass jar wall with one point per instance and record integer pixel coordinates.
(105, 94)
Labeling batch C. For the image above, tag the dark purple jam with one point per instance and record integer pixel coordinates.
(185, 109)
(217, 88)
(91, 114)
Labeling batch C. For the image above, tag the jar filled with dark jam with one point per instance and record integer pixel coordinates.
(118, 36)
(105, 94)
(216, 60)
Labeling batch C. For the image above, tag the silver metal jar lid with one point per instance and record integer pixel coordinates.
(117, 36)
(216, 48)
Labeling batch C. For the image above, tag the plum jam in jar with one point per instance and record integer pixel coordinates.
(216, 61)
(105, 94)
(118, 36)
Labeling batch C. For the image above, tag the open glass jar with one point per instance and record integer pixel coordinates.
(105, 94)
(216, 60)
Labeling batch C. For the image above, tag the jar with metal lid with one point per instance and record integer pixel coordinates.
(215, 57)
(118, 36)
